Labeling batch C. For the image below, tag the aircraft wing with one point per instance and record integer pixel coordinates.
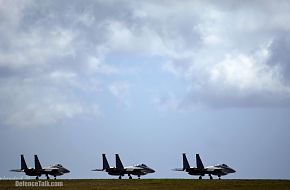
(214, 169)
(135, 169)
(16, 170)
(129, 169)
(50, 169)
(178, 169)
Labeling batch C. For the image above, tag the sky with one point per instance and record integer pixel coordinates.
(148, 80)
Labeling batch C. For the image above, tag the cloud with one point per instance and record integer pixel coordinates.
(49, 67)
(280, 57)
(29, 104)
(96, 65)
(241, 58)
(242, 81)
(121, 90)
(55, 59)
(31, 50)
(167, 102)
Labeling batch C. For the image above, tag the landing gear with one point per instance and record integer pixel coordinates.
(120, 177)
(200, 177)
(219, 177)
(37, 177)
(54, 177)
(47, 177)
(138, 176)
(210, 177)
(130, 177)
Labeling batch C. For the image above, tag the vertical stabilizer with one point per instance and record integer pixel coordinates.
(105, 162)
(23, 163)
(37, 163)
(185, 162)
(119, 164)
(199, 163)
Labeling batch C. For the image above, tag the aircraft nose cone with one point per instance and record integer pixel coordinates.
(152, 171)
(66, 171)
(232, 170)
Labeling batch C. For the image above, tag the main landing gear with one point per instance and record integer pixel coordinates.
(210, 177)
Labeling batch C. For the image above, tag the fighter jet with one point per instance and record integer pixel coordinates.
(26, 170)
(54, 170)
(218, 170)
(120, 170)
(37, 171)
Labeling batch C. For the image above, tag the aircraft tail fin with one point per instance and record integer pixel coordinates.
(119, 164)
(105, 162)
(199, 163)
(185, 162)
(37, 163)
(23, 163)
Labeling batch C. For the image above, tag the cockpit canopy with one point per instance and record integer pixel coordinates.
(142, 165)
(58, 165)
(223, 165)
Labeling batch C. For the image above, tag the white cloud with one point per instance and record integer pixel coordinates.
(42, 81)
(226, 52)
(59, 76)
(10, 14)
(97, 65)
(244, 73)
(167, 102)
(36, 47)
(40, 114)
(140, 40)
(29, 104)
(121, 90)
(50, 100)
(241, 80)
(230, 66)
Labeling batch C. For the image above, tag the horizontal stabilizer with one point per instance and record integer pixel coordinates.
(178, 169)
(97, 170)
(17, 170)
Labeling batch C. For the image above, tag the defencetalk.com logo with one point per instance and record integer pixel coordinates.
(38, 183)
